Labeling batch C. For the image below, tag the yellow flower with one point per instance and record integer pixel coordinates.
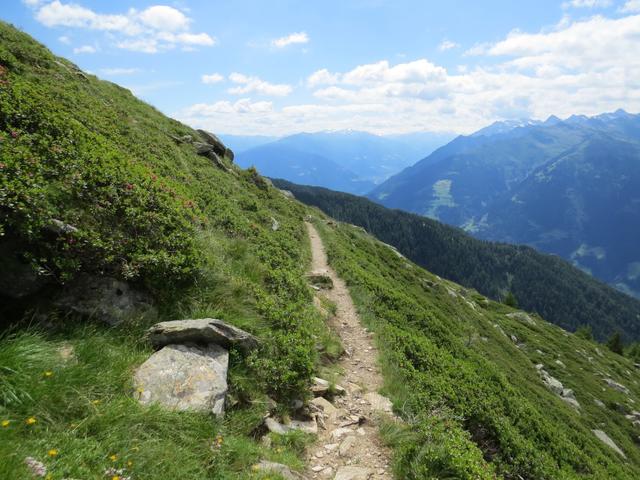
(115, 477)
(30, 420)
(129, 464)
(113, 457)
(95, 402)
(5, 423)
(48, 373)
(53, 452)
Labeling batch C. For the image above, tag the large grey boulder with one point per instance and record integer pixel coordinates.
(616, 386)
(604, 438)
(104, 298)
(18, 279)
(218, 147)
(201, 331)
(181, 377)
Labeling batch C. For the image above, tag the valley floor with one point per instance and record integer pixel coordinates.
(350, 444)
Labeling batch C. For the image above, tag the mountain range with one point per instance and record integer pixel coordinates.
(567, 187)
(347, 160)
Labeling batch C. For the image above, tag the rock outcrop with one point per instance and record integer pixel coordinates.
(522, 317)
(201, 331)
(604, 438)
(105, 299)
(555, 385)
(189, 372)
(181, 377)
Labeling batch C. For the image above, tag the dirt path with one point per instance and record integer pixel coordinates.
(349, 447)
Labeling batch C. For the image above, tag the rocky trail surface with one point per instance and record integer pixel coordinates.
(349, 446)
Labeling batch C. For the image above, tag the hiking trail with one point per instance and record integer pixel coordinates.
(349, 448)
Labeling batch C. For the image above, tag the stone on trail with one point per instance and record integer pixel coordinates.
(307, 425)
(181, 377)
(353, 473)
(201, 331)
(378, 402)
(346, 445)
(320, 280)
(321, 387)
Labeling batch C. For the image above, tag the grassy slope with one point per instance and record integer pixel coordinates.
(223, 259)
(542, 283)
(151, 211)
(475, 404)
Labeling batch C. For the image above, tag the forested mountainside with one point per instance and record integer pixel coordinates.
(565, 187)
(97, 186)
(541, 283)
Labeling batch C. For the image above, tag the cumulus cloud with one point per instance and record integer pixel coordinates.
(447, 45)
(254, 84)
(587, 4)
(586, 66)
(294, 38)
(157, 28)
(212, 78)
(631, 6)
(242, 106)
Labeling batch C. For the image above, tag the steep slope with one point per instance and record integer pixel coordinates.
(485, 392)
(542, 283)
(502, 184)
(133, 200)
(584, 206)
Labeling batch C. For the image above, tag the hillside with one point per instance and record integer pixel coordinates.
(97, 185)
(541, 283)
(565, 187)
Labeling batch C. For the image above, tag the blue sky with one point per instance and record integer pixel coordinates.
(386, 66)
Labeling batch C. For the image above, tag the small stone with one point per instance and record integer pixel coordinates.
(353, 473)
(346, 445)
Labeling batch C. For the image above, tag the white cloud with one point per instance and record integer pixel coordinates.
(631, 6)
(585, 67)
(119, 71)
(85, 49)
(242, 106)
(157, 28)
(322, 77)
(587, 4)
(64, 39)
(254, 84)
(212, 78)
(447, 45)
(164, 18)
(294, 38)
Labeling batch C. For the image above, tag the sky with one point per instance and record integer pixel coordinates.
(276, 67)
